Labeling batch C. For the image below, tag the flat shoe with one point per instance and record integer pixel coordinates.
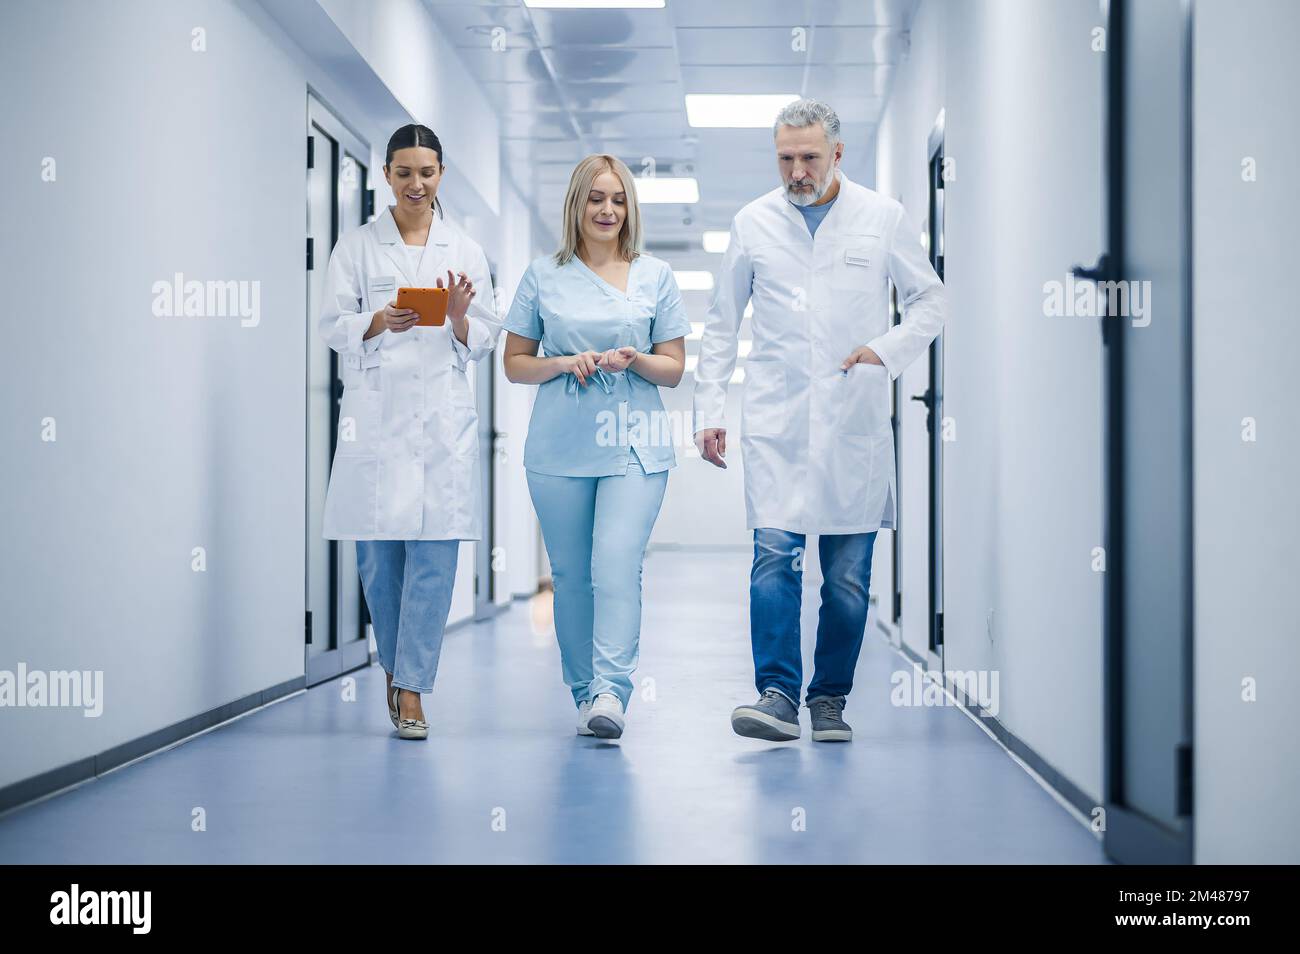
(412, 729)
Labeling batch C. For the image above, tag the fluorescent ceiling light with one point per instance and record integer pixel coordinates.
(743, 346)
(694, 281)
(682, 190)
(735, 111)
(697, 331)
(716, 241)
(594, 4)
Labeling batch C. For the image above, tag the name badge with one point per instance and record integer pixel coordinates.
(857, 258)
(383, 284)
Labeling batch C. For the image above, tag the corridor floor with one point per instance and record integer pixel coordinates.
(503, 778)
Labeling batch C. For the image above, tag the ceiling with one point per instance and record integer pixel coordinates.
(568, 83)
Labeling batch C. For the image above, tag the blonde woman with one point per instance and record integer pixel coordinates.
(612, 330)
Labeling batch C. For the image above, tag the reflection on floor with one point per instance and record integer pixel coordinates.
(503, 777)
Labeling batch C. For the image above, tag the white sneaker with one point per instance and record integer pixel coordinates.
(584, 713)
(606, 719)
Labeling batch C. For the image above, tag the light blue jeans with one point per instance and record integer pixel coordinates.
(408, 586)
(596, 530)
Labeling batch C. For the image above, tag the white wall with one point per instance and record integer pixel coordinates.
(704, 506)
(1022, 480)
(172, 433)
(1245, 338)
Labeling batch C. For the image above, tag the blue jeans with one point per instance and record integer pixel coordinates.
(596, 530)
(408, 586)
(775, 601)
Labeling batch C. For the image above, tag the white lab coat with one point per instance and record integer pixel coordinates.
(816, 444)
(406, 466)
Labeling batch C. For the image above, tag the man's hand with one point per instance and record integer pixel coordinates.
(863, 355)
(712, 442)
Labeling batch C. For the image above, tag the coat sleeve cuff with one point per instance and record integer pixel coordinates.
(883, 354)
(479, 343)
(358, 325)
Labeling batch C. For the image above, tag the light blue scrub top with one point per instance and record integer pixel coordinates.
(590, 432)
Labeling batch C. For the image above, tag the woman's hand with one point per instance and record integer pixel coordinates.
(617, 359)
(397, 319)
(581, 365)
(461, 294)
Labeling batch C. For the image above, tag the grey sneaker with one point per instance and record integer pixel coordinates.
(828, 723)
(773, 717)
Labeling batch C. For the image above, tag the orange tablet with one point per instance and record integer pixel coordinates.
(429, 303)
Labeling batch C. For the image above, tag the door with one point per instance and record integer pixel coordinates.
(896, 537)
(337, 200)
(1148, 463)
(932, 400)
(485, 584)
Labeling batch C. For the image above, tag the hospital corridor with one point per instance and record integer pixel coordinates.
(650, 432)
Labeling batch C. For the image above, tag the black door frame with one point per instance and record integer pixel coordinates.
(934, 400)
(341, 655)
(1132, 836)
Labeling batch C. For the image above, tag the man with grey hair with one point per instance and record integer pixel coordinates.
(815, 257)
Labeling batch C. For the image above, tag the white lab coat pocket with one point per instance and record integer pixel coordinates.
(864, 408)
(380, 290)
(765, 406)
(360, 371)
(359, 424)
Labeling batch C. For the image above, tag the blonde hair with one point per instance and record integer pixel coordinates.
(575, 202)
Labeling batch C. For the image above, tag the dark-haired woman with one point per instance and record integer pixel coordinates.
(404, 483)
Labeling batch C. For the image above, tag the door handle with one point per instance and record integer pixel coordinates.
(1100, 272)
(923, 398)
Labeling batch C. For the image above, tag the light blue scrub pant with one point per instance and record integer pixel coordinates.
(408, 586)
(596, 530)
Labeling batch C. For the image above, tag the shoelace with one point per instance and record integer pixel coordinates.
(827, 709)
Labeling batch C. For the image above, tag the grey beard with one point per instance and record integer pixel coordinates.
(801, 199)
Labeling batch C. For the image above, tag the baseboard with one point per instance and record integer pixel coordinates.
(1066, 790)
(19, 794)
